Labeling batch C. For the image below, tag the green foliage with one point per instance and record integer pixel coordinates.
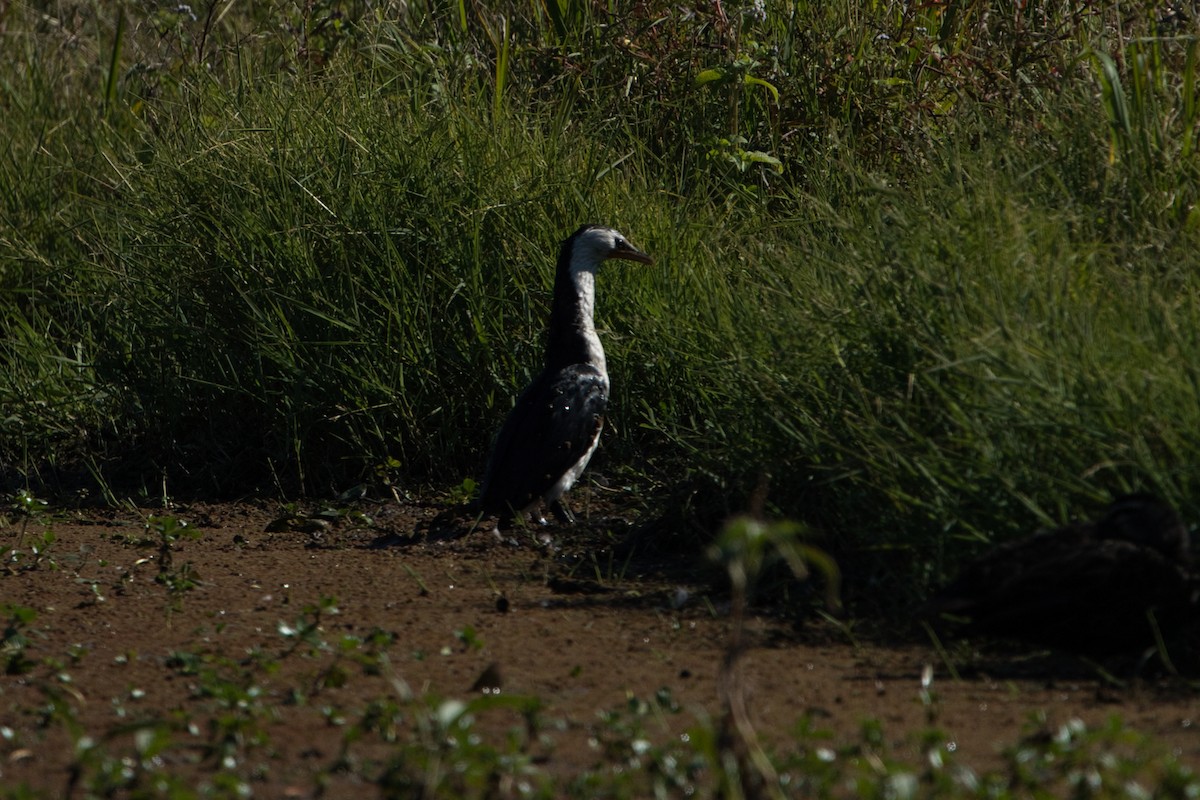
(746, 547)
(12, 646)
(932, 267)
(34, 553)
(221, 741)
(178, 579)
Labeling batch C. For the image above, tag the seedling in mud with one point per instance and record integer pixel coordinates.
(464, 492)
(445, 755)
(97, 593)
(469, 638)
(26, 507)
(14, 640)
(368, 652)
(232, 692)
(630, 743)
(389, 475)
(37, 555)
(167, 531)
(307, 629)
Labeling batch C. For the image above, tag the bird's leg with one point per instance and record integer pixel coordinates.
(563, 513)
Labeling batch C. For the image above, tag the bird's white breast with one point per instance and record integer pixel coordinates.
(564, 484)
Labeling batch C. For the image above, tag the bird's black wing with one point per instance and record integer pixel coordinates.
(553, 425)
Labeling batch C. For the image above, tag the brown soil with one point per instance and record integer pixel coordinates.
(583, 635)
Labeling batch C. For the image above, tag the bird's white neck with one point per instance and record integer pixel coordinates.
(573, 338)
(585, 292)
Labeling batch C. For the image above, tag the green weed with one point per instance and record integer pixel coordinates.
(15, 641)
(219, 743)
(166, 533)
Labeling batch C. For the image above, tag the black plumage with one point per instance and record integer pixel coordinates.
(1097, 588)
(554, 428)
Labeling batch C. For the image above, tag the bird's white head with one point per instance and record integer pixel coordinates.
(591, 245)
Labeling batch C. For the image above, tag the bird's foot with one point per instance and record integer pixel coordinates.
(563, 513)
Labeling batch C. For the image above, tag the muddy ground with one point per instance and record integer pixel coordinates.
(256, 645)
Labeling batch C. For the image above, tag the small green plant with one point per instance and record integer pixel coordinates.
(27, 508)
(95, 588)
(637, 761)
(235, 703)
(469, 638)
(446, 757)
(464, 492)
(368, 653)
(35, 556)
(729, 146)
(178, 580)
(747, 547)
(14, 641)
(306, 630)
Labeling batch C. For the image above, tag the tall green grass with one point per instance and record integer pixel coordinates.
(931, 270)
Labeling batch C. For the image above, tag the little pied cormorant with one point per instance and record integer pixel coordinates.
(551, 433)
